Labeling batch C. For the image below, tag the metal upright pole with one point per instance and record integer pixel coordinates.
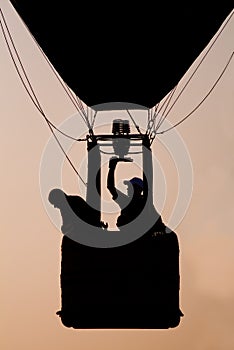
(93, 195)
(148, 170)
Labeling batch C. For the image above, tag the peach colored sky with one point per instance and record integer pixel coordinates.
(30, 244)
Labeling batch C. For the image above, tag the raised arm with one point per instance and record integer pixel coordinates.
(111, 174)
(111, 177)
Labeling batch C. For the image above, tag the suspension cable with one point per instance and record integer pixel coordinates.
(151, 130)
(32, 94)
(200, 63)
(190, 78)
(162, 114)
(75, 101)
(135, 124)
(201, 102)
(65, 154)
(93, 119)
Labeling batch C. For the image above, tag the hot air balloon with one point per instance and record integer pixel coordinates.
(115, 57)
(118, 53)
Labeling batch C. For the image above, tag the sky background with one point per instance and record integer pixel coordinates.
(30, 243)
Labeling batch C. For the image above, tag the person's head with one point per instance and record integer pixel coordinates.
(135, 184)
(57, 197)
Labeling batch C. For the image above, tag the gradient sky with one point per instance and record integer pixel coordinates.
(30, 243)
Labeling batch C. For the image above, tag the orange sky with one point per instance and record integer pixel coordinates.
(30, 243)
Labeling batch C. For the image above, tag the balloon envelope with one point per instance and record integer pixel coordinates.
(110, 53)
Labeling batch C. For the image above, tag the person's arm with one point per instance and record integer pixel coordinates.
(111, 177)
(111, 174)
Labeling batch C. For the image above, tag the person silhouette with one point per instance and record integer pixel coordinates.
(73, 207)
(132, 203)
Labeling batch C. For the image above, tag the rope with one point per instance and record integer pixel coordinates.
(162, 115)
(190, 78)
(32, 94)
(93, 118)
(68, 159)
(75, 101)
(202, 60)
(151, 129)
(206, 96)
(135, 124)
